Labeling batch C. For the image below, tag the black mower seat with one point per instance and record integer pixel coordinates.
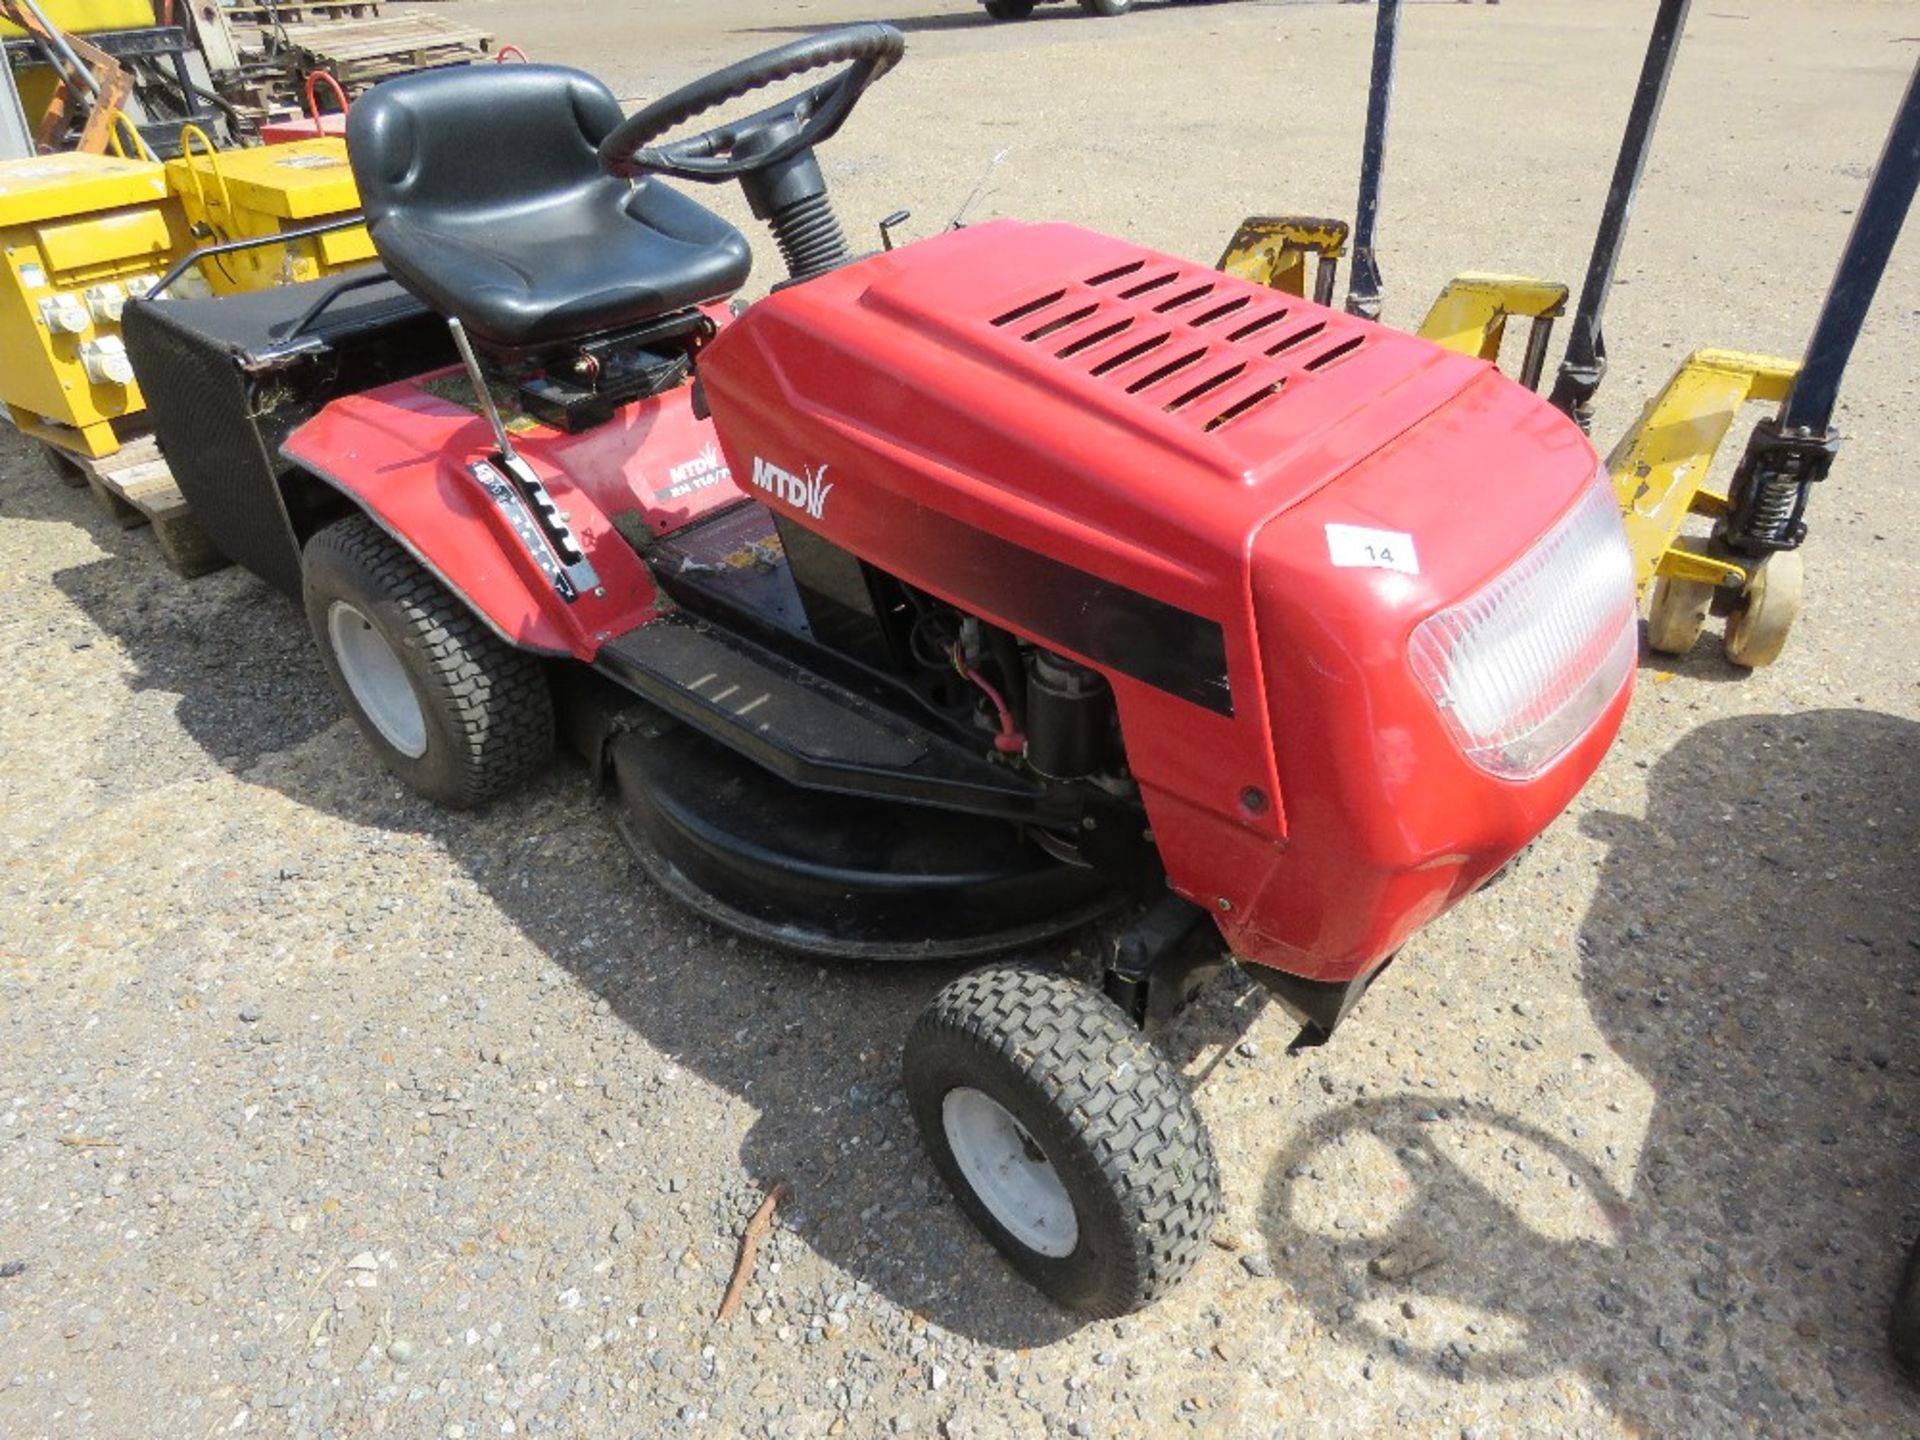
(485, 198)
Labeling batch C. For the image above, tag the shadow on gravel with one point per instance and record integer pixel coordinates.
(916, 24)
(814, 1049)
(1753, 952)
(971, 19)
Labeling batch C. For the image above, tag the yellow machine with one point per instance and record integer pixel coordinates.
(77, 95)
(85, 15)
(243, 194)
(79, 234)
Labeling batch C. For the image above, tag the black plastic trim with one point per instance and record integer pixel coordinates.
(1068, 608)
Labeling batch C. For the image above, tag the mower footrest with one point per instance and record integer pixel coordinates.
(797, 725)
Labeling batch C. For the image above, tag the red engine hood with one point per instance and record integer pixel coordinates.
(1143, 463)
(1081, 441)
(1102, 381)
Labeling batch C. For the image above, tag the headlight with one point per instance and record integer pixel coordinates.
(1522, 668)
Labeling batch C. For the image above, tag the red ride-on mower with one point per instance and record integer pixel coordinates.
(942, 602)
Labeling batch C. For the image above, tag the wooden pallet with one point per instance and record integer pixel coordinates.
(360, 53)
(300, 12)
(135, 487)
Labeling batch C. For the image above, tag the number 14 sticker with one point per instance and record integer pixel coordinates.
(1360, 547)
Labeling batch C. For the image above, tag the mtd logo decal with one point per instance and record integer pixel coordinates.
(709, 467)
(807, 493)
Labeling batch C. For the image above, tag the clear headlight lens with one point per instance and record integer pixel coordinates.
(1522, 668)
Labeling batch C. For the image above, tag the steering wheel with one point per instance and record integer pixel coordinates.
(868, 51)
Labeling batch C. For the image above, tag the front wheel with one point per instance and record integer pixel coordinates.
(1757, 632)
(1106, 7)
(1010, 9)
(1066, 1136)
(454, 711)
(1677, 614)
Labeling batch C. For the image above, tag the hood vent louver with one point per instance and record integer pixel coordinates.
(1298, 337)
(1093, 338)
(1072, 317)
(1231, 356)
(1328, 356)
(1131, 353)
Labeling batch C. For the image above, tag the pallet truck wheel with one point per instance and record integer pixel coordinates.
(455, 712)
(1757, 633)
(1067, 1136)
(1903, 1332)
(1106, 7)
(1677, 614)
(1010, 9)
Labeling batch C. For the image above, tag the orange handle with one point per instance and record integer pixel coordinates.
(313, 95)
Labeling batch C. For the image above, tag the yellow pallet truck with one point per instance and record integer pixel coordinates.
(1747, 568)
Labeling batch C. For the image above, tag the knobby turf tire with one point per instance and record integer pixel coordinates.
(1111, 1113)
(488, 707)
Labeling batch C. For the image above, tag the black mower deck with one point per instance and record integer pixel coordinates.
(824, 874)
(804, 809)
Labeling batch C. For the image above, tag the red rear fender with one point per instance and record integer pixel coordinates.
(404, 453)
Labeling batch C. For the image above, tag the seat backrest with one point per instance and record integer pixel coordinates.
(463, 141)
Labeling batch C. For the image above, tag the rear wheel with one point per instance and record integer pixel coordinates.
(1677, 614)
(1106, 7)
(1067, 1137)
(459, 715)
(1010, 9)
(1757, 632)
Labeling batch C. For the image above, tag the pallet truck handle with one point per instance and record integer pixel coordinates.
(1788, 454)
(1877, 224)
(1365, 292)
(1585, 363)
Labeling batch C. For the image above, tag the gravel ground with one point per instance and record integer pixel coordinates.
(323, 1113)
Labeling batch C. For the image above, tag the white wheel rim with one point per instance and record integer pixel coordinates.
(377, 679)
(1010, 1173)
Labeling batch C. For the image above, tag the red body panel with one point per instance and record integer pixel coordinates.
(1390, 823)
(1167, 429)
(402, 453)
(302, 127)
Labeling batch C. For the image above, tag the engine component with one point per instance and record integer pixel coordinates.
(1069, 718)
